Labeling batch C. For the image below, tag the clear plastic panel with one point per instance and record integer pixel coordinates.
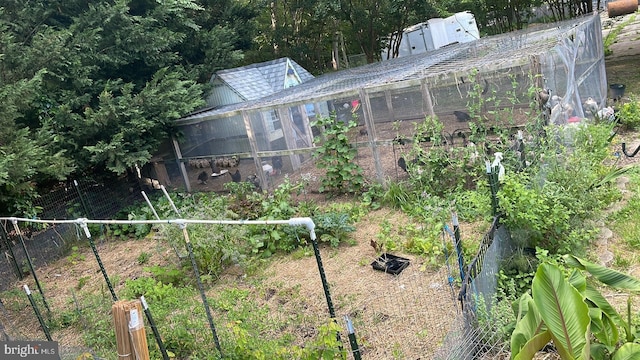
(566, 58)
(214, 137)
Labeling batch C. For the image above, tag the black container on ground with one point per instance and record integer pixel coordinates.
(390, 264)
(617, 91)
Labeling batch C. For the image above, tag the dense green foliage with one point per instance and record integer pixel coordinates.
(550, 205)
(629, 115)
(93, 88)
(337, 156)
(317, 34)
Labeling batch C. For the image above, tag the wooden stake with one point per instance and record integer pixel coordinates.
(138, 333)
(131, 338)
(119, 311)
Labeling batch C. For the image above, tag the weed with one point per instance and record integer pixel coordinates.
(82, 282)
(371, 198)
(169, 275)
(611, 37)
(133, 212)
(301, 253)
(75, 256)
(626, 222)
(553, 203)
(495, 319)
(629, 114)
(621, 262)
(143, 258)
(64, 319)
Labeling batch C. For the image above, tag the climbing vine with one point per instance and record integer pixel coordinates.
(337, 156)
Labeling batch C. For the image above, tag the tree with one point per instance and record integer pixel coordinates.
(224, 31)
(25, 154)
(94, 87)
(300, 29)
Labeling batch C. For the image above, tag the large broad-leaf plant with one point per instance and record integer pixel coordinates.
(570, 311)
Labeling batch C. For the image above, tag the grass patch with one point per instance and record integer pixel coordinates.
(611, 37)
(626, 222)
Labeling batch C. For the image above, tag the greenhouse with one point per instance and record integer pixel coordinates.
(273, 136)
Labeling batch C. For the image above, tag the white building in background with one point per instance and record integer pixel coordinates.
(436, 33)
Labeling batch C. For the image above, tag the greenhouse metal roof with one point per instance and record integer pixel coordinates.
(258, 80)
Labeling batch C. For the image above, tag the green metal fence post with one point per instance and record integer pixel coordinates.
(38, 315)
(83, 224)
(31, 268)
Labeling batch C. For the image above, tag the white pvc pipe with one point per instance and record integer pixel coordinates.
(299, 221)
(146, 198)
(164, 190)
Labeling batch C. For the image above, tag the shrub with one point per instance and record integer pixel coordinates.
(553, 203)
(629, 114)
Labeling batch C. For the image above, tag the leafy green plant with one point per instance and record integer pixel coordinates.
(279, 205)
(150, 288)
(168, 275)
(143, 258)
(324, 346)
(82, 282)
(65, 319)
(179, 317)
(218, 246)
(629, 114)
(372, 197)
(386, 236)
(495, 318)
(435, 167)
(552, 204)
(239, 190)
(307, 208)
(574, 314)
(425, 241)
(333, 228)
(268, 240)
(355, 210)
(337, 156)
(75, 256)
(473, 205)
(139, 211)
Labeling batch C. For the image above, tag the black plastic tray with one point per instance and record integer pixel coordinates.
(390, 264)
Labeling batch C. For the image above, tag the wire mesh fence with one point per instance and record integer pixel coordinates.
(274, 135)
(47, 243)
(413, 314)
(467, 341)
(405, 315)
